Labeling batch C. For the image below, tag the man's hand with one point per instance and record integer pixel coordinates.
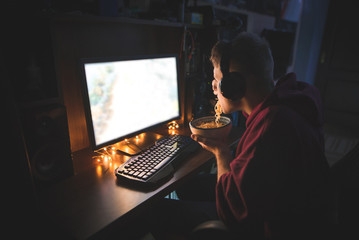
(210, 144)
(220, 149)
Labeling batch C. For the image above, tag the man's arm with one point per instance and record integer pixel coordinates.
(223, 158)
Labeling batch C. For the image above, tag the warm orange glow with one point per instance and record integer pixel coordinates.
(126, 149)
(99, 170)
(173, 126)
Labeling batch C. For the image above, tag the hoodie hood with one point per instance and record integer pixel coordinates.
(302, 97)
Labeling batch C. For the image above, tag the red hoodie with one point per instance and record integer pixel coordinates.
(278, 177)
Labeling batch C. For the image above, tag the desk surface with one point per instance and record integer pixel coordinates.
(88, 203)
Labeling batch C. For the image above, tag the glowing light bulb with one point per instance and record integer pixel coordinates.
(99, 171)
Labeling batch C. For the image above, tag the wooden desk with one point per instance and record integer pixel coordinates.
(91, 202)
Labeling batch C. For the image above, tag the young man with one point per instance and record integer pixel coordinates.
(276, 185)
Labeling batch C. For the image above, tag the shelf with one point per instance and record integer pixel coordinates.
(101, 19)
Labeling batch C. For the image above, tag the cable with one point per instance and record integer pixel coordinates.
(192, 44)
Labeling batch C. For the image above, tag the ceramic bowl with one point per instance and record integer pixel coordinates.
(220, 132)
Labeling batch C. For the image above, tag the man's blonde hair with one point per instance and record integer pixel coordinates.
(250, 55)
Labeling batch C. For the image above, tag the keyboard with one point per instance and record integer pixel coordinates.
(158, 162)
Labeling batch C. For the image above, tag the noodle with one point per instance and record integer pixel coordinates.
(218, 110)
(216, 123)
(210, 125)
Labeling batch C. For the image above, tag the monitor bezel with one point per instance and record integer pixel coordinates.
(86, 99)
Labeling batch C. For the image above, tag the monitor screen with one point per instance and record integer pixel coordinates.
(127, 96)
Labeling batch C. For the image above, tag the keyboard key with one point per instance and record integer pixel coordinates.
(158, 166)
(141, 174)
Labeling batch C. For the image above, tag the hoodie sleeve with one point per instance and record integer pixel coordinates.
(231, 206)
(259, 172)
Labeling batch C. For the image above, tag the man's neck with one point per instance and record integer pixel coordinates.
(253, 99)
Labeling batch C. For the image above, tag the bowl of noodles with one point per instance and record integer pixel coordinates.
(216, 126)
(210, 128)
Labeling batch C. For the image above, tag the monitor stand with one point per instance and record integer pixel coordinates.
(137, 144)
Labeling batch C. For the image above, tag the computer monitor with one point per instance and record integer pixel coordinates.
(126, 96)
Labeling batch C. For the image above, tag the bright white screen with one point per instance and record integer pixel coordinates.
(128, 96)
